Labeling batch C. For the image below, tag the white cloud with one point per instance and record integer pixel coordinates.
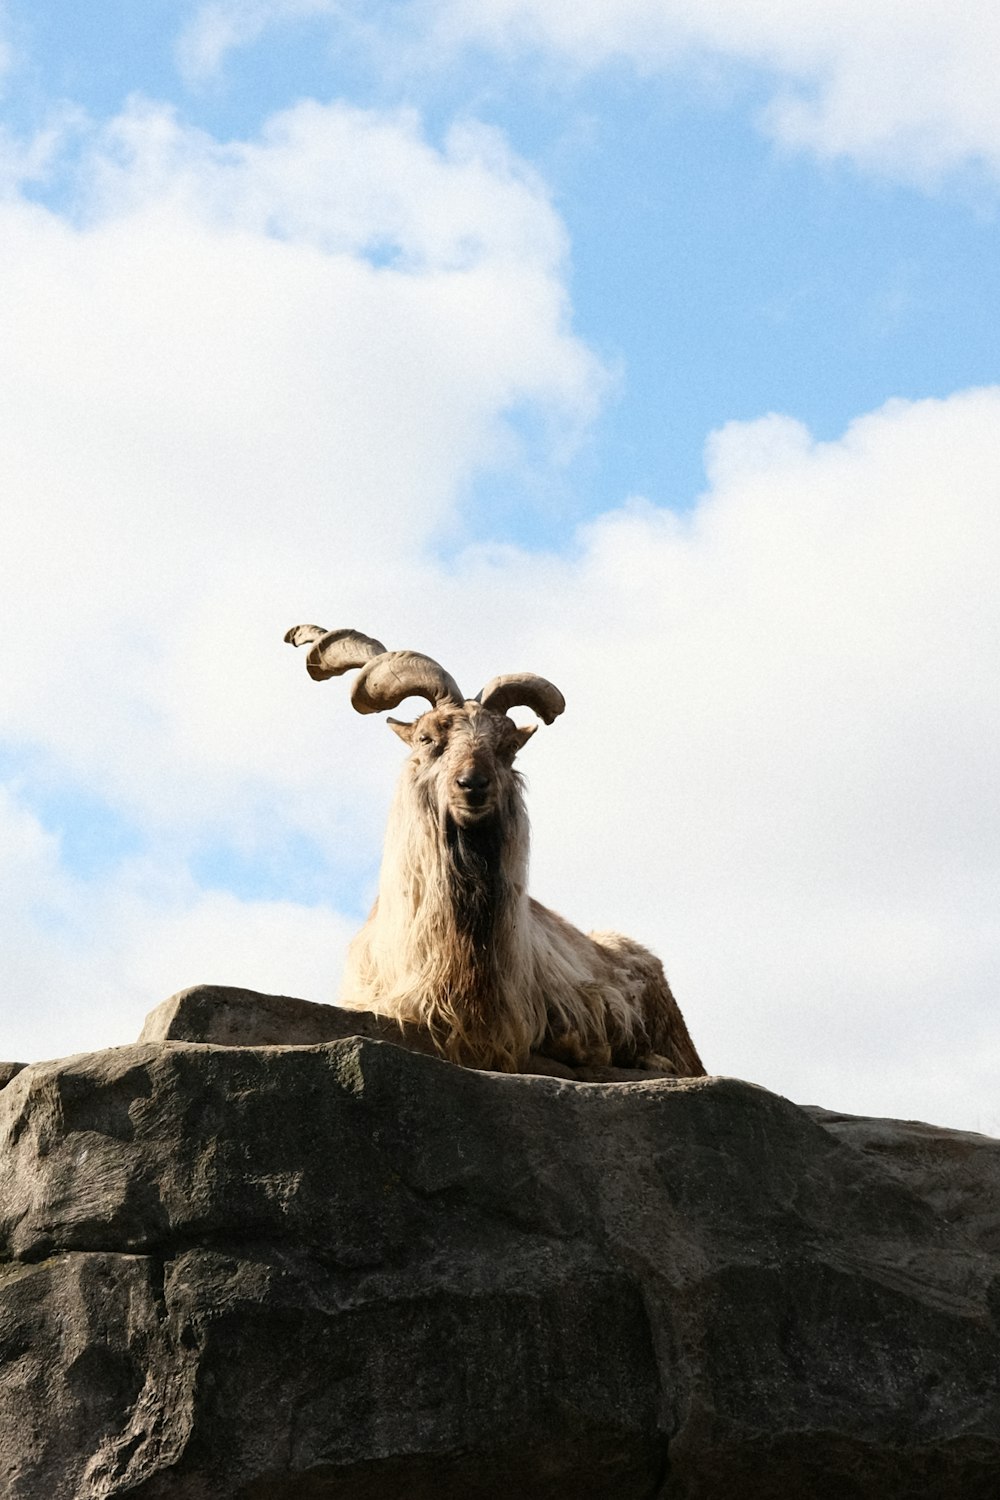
(779, 761)
(896, 86)
(901, 86)
(222, 26)
(218, 411)
(340, 180)
(83, 962)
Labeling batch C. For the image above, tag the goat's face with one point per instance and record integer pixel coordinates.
(462, 758)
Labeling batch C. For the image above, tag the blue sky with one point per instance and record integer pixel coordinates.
(719, 274)
(643, 338)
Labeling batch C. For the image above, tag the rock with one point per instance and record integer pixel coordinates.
(345, 1270)
(232, 1017)
(9, 1070)
(956, 1172)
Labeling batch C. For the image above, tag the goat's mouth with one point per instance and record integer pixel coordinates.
(471, 808)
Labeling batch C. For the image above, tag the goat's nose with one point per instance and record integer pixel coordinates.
(473, 781)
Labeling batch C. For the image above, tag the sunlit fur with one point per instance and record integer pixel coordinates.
(455, 944)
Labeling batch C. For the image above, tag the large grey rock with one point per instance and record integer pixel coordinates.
(347, 1270)
(231, 1017)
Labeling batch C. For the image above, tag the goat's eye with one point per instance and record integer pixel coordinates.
(425, 739)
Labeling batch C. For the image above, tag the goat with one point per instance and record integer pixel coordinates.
(454, 944)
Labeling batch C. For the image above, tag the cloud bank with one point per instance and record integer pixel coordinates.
(900, 88)
(240, 383)
(905, 88)
(270, 365)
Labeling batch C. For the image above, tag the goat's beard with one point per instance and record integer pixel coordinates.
(475, 876)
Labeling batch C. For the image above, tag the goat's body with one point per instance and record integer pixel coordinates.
(455, 945)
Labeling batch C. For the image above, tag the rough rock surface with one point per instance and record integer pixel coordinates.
(230, 1017)
(340, 1270)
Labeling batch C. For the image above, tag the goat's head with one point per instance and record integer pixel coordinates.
(461, 758)
(461, 750)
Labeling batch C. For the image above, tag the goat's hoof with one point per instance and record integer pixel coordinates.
(655, 1062)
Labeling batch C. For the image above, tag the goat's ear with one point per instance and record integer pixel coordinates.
(524, 733)
(405, 731)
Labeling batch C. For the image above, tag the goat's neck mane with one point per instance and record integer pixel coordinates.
(452, 888)
(452, 947)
